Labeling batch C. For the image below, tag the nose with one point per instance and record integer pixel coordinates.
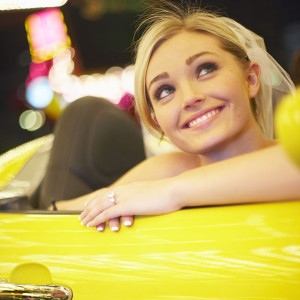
(192, 97)
(192, 103)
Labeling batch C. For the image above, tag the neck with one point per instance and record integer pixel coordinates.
(251, 140)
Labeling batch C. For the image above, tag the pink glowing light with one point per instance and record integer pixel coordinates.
(47, 34)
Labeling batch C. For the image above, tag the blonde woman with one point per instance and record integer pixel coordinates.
(205, 83)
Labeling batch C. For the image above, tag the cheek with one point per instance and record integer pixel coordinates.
(234, 91)
(160, 118)
(164, 118)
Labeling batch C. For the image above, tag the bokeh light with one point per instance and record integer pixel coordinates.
(25, 4)
(39, 93)
(112, 86)
(127, 79)
(51, 84)
(32, 120)
(47, 34)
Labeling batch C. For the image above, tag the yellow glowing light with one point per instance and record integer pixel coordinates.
(25, 4)
(287, 125)
(54, 109)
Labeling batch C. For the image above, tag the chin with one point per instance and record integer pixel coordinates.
(203, 145)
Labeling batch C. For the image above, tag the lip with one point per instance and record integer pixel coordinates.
(200, 114)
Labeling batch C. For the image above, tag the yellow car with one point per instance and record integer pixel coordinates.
(226, 252)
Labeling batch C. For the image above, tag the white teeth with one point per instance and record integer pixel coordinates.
(204, 117)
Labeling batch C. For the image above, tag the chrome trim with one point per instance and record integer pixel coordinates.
(30, 292)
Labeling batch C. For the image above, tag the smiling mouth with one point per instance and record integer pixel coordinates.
(204, 117)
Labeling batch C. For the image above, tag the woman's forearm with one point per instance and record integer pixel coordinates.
(154, 168)
(262, 176)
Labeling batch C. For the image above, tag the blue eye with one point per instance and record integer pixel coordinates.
(206, 68)
(163, 92)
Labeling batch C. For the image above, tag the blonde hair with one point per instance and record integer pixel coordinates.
(165, 22)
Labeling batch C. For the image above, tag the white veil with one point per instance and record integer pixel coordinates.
(275, 81)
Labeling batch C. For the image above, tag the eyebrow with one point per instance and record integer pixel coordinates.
(188, 61)
(163, 75)
(191, 59)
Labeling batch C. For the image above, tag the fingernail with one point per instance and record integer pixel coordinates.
(82, 223)
(127, 223)
(79, 218)
(114, 228)
(88, 225)
(100, 228)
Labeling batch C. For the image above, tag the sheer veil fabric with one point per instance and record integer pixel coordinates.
(275, 81)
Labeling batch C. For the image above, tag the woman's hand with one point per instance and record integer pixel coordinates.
(139, 198)
(114, 224)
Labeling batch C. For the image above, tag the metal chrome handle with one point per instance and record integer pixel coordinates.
(30, 292)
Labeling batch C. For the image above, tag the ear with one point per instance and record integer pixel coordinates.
(253, 79)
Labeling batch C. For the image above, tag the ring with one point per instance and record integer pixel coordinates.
(112, 198)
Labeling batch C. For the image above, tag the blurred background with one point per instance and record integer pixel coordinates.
(65, 49)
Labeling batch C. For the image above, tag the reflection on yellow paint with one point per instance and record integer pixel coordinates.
(202, 253)
(12, 161)
(30, 273)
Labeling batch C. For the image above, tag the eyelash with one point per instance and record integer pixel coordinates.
(209, 66)
(161, 89)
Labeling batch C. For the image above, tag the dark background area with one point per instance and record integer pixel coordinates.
(102, 34)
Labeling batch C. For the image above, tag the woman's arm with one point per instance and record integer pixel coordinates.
(263, 176)
(157, 167)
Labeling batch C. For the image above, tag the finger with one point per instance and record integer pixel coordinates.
(84, 214)
(90, 206)
(114, 224)
(90, 198)
(96, 210)
(94, 196)
(110, 213)
(93, 200)
(87, 207)
(100, 227)
(127, 221)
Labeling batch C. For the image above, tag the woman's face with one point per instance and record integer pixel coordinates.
(200, 93)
